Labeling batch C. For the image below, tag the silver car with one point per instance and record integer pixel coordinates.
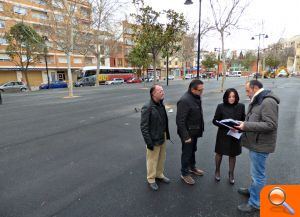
(13, 86)
(115, 81)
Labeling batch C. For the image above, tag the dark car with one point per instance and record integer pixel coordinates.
(86, 81)
(55, 84)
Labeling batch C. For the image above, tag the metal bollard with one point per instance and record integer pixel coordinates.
(0, 98)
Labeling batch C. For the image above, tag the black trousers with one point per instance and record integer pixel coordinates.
(188, 156)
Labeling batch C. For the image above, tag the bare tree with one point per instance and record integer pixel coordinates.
(69, 22)
(186, 53)
(188, 47)
(226, 17)
(106, 30)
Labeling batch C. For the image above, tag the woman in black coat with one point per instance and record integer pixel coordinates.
(228, 145)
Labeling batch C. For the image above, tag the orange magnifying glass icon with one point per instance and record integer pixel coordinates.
(277, 197)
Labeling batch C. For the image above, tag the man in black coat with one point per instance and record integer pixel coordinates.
(190, 127)
(155, 130)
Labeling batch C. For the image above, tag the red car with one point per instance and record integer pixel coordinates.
(134, 80)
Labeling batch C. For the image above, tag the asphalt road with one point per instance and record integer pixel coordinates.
(85, 157)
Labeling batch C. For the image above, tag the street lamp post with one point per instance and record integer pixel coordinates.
(189, 2)
(46, 61)
(218, 50)
(257, 61)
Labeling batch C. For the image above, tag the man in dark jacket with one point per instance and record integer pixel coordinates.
(190, 126)
(260, 136)
(155, 130)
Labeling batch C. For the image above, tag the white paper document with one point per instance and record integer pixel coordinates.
(236, 135)
(229, 122)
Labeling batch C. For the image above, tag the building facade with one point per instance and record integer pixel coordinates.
(37, 14)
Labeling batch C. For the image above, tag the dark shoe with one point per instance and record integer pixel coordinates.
(217, 176)
(153, 186)
(244, 191)
(231, 178)
(197, 172)
(164, 180)
(188, 180)
(245, 207)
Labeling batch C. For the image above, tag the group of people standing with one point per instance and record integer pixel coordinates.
(259, 127)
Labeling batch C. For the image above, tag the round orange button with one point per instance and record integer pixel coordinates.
(277, 196)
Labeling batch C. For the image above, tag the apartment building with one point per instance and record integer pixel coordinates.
(293, 63)
(36, 13)
(128, 42)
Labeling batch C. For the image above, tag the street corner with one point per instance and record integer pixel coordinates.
(280, 201)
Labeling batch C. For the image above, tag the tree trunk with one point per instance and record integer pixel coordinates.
(98, 69)
(154, 68)
(26, 79)
(70, 85)
(224, 63)
(167, 69)
(98, 55)
(69, 64)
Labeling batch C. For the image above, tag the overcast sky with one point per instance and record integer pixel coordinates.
(278, 19)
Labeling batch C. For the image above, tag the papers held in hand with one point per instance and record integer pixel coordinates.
(229, 123)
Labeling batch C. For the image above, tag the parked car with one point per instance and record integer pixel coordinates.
(115, 81)
(188, 76)
(86, 81)
(151, 78)
(282, 74)
(13, 86)
(54, 84)
(235, 74)
(133, 80)
(171, 77)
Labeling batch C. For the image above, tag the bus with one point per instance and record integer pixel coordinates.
(107, 73)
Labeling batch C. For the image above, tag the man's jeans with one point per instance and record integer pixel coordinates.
(188, 160)
(258, 175)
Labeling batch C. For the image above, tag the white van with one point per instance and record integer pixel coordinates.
(235, 74)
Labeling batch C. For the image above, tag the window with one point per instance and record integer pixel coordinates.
(120, 62)
(77, 60)
(129, 42)
(128, 31)
(62, 59)
(4, 57)
(24, 59)
(58, 18)
(20, 10)
(39, 2)
(102, 60)
(57, 3)
(2, 41)
(49, 44)
(1, 7)
(88, 60)
(119, 49)
(39, 15)
(50, 59)
(85, 12)
(73, 7)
